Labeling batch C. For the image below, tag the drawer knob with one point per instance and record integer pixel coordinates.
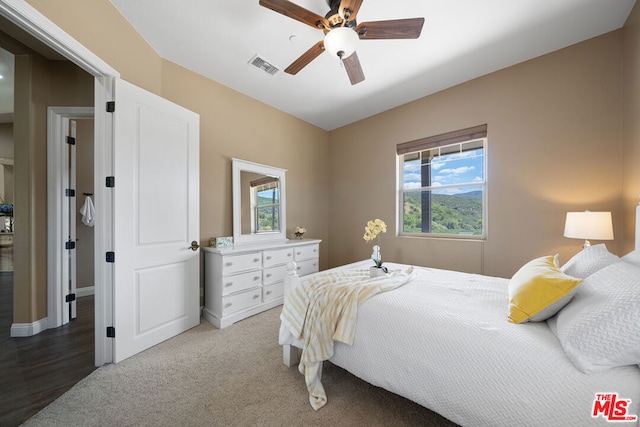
(228, 264)
(268, 256)
(256, 296)
(298, 253)
(299, 268)
(227, 305)
(256, 260)
(268, 274)
(256, 278)
(226, 285)
(289, 254)
(268, 292)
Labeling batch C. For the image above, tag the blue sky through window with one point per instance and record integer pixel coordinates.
(447, 170)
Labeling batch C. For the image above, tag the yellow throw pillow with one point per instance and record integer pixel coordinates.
(539, 290)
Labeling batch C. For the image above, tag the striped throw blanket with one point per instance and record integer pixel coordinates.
(324, 309)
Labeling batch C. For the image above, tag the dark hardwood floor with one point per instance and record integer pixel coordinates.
(35, 370)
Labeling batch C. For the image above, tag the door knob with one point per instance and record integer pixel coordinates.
(194, 246)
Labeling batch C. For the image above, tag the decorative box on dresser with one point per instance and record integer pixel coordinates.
(245, 280)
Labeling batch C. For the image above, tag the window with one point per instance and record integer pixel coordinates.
(266, 204)
(443, 185)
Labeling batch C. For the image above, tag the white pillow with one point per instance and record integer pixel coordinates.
(589, 260)
(632, 257)
(600, 328)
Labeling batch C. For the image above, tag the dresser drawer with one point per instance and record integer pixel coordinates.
(307, 267)
(241, 281)
(236, 263)
(241, 301)
(277, 256)
(274, 274)
(273, 292)
(306, 252)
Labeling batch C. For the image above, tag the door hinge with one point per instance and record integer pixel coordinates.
(110, 181)
(111, 106)
(70, 297)
(70, 192)
(70, 244)
(111, 332)
(71, 140)
(111, 257)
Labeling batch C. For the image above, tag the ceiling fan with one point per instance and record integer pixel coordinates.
(342, 32)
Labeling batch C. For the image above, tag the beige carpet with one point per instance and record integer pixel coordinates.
(228, 377)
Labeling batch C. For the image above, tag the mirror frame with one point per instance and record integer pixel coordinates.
(238, 166)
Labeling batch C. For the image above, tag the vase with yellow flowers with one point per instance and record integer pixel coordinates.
(372, 232)
(299, 232)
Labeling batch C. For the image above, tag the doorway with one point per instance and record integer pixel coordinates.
(41, 367)
(128, 229)
(24, 22)
(70, 183)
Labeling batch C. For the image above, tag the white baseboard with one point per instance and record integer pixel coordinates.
(85, 291)
(28, 329)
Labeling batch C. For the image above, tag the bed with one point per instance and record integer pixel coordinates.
(443, 340)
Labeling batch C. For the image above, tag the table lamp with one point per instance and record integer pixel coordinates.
(588, 225)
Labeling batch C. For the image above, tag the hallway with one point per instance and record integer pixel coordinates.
(36, 370)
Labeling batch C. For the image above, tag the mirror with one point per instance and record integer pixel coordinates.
(259, 202)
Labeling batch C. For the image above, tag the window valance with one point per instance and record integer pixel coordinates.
(441, 140)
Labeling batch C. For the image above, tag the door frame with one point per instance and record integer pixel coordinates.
(33, 22)
(57, 208)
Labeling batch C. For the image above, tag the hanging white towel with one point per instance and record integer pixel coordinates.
(87, 211)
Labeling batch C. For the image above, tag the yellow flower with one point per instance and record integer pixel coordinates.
(373, 229)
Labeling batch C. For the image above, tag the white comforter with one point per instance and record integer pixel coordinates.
(444, 341)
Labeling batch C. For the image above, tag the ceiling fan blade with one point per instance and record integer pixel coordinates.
(352, 6)
(296, 12)
(354, 70)
(305, 58)
(393, 29)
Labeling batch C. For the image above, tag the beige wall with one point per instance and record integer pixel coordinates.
(631, 122)
(234, 125)
(6, 140)
(259, 133)
(39, 83)
(554, 127)
(555, 144)
(99, 26)
(6, 152)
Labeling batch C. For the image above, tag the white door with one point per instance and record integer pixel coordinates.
(156, 217)
(70, 284)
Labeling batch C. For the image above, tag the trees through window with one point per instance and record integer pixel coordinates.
(443, 184)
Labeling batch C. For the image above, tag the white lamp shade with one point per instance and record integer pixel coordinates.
(341, 39)
(589, 225)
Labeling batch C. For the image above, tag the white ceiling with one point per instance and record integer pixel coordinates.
(461, 40)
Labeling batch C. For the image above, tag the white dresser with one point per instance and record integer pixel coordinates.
(245, 280)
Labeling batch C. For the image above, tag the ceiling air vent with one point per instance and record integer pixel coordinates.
(263, 65)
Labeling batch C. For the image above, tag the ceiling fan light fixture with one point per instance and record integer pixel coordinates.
(341, 42)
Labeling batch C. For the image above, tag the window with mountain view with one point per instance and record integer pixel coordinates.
(443, 186)
(267, 206)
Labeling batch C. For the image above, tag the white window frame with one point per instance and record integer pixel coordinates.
(401, 192)
(256, 207)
